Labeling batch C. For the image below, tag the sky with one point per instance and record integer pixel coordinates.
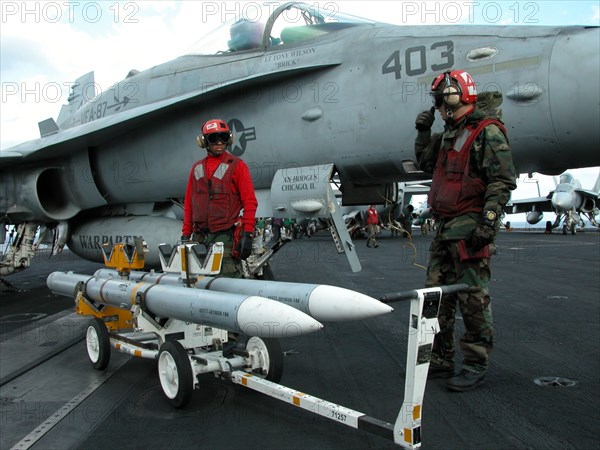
(46, 45)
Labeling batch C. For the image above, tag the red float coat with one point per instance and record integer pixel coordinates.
(453, 191)
(218, 188)
(372, 216)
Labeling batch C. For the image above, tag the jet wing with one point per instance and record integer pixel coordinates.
(100, 130)
(529, 204)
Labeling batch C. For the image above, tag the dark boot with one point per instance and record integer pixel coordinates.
(465, 381)
(439, 371)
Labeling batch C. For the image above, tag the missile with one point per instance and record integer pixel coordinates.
(248, 314)
(322, 302)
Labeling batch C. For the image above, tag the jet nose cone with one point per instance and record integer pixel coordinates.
(562, 201)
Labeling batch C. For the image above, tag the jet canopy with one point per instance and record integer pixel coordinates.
(568, 179)
(264, 27)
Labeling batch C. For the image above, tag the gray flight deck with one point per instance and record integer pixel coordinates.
(546, 299)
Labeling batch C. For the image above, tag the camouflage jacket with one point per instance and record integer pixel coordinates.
(491, 161)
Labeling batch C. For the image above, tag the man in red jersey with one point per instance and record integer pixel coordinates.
(219, 188)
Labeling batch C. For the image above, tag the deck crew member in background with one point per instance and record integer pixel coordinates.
(372, 226)
(473, 174)
(219, 188)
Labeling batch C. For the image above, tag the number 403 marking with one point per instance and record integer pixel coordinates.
(416, 59)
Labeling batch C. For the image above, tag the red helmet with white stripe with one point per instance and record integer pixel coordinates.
(454, 87)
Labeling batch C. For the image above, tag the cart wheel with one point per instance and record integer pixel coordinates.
(97, 344)
(270, 357)
(175, 374)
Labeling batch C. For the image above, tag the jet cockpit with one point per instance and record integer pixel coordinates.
(260, 28)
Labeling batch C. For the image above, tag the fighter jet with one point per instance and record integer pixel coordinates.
(569, 201)
(310, 94)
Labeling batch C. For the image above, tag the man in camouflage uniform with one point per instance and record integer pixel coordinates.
(473, 175)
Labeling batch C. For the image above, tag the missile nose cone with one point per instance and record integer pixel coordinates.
(335, 304)
(258, 316)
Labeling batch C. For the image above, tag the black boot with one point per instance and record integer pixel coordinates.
(439, 371)
(465, 381)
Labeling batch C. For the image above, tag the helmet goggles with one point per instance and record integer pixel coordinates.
(214, 138)
(438, 94)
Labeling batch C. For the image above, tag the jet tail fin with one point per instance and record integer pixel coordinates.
(82, 90)
(596, 187)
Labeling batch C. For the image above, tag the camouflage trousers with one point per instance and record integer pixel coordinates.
(445, 267)
(372, 232)
(230, 267)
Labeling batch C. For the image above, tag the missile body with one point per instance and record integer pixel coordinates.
(248, 314)
(322, 302)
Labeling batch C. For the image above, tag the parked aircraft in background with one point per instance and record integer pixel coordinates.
(568, 201)
(306, 99)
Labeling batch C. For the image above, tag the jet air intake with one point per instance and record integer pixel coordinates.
(44, 195)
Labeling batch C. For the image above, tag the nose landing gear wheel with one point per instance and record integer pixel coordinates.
(97, 344)
(270, 357)
(175, 374)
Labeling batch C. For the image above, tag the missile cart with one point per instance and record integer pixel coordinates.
(191, 330)
(183, 349)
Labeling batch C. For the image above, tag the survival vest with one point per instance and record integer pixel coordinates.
(216, 202)
(372, 217)
(453, 191)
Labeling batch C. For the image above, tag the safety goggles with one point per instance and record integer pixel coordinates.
(213, 138)
(437, 98)
(437, 95)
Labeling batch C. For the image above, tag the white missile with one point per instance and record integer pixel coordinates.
(248, 314)
(323, 302)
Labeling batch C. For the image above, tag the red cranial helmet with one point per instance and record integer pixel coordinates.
(215, 126)
(213, 131)
(454, 87)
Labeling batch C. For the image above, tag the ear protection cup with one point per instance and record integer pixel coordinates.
(200, 138)
(451, 96)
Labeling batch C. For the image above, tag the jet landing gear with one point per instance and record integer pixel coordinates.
(570, 227)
